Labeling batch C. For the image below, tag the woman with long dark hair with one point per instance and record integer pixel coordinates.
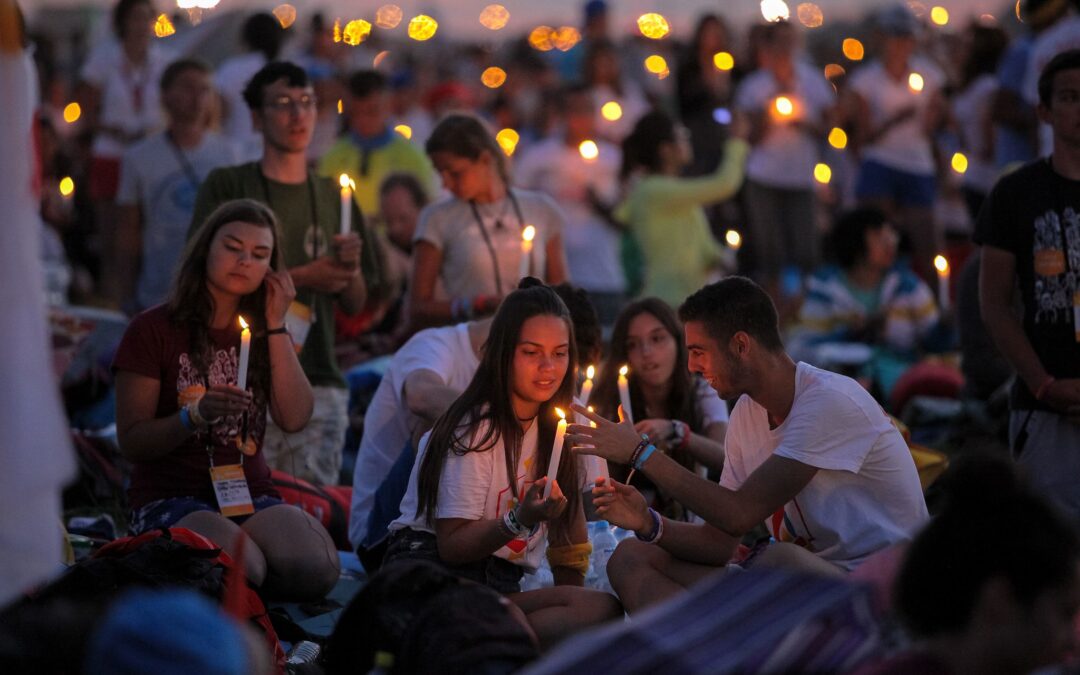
(477, 500)
(192, 434)
(676, 408)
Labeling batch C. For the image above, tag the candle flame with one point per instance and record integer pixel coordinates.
(941, 263)
(243, 324)
(344, 180)
(916, 82)
(588, 150)
(733, 239)
(67, 186)
(611, 111)
(589, 372)
(560, 413)
(72, 112)
(529, 233)
(784, 106)
(404, 129)
(624, 370)
(723, 60)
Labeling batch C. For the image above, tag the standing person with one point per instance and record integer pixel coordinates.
(585, 188)
(180, 411)
(789, 105)
(159, 178)
(327, 267)
(664, 211)
(262, 37)
(808, 452)
(476, 501)
(898, 105)
(119, 94)
(604, 78)
(371, 150)
(704, 91)
(1030, 239)
(471, 242)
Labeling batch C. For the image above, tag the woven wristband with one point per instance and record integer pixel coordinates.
(658, 529)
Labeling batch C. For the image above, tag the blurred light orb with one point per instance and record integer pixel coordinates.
(422, 27)
(916, 82)
(838, 138)
(340, 106)
(939, 15)
(784, 106)
(285, 14)
(611, 111)
(653, 26)
(853, 49)
(722, 115)
(507, 140)
(655, 64)
(589, 151)
(388, 16)
(775, 10)
(810, 15)
(822, 173)
(405, 130)
(733, 239)
(494, 17)
(356, 32)
(834, 70)
(565, 38)
(379, 58)
(67, 186)
(163, 27)
(541, 38)
(337, 30)
(959, 163)
(723, 60)
(72, 112)
(493, 77)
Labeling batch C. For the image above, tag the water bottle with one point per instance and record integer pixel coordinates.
(303, 652)
(604, 544)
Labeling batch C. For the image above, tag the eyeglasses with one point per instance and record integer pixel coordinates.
(285, 103)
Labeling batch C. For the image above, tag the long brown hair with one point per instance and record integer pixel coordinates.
(488, 399)
(191, 306)
(680, 401)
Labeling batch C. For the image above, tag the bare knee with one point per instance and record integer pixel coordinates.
(629, 559)
(301, 559)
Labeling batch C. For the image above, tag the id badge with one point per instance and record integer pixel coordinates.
(1076, 315)
(231, 489)
(298, 322)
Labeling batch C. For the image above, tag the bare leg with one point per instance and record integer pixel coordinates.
(643, 574)
(223, 532)
(301, 561)
(792, 557)
(554, 613)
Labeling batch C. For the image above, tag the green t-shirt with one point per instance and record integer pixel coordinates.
(301, 243)
(397, 156)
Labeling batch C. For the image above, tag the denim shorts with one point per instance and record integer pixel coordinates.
(167, 512)
(494, 572)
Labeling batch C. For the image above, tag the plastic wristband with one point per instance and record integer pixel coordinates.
(185, 419)
(657, 531)
(642, 444)
(1041, 391)
(646, 454)
(196, 418)
(510, 520)
(278, 331)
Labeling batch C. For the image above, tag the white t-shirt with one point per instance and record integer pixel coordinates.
(153, 178)
(1060, 37)
(632, 101)
(972, 108)
(592, 245)
(467, 266)
(904, 146)
(473, 486)
(231, 79)
(866, 493)
(130, 97)
(711, 408)
(785, 156)
(388, 424)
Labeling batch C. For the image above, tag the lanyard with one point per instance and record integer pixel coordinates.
(183, 161)
(487, 237)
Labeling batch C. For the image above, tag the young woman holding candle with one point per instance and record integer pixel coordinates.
(475, 501)
(679, 411)
(180, 414)
(471, 244)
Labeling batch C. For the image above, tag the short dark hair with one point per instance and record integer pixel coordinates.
(264, 34)
(122, 9)
(407, 182)
(1067, 60)
(181, 66)
(587, 333)
(848, 237)
(732, 305)
(269, 74)
(641, 148)
(364, 83)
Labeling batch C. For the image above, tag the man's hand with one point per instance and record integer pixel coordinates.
(655, 429)
(324, 275)
(622, 506)
(347, 247)
(613, 441)
(1063, 396)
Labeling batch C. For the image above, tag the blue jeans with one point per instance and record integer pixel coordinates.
(493, 572)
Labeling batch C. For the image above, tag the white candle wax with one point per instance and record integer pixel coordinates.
(245, 354)
(526, 266)
(624, 394)
(556, 455)
(941, 264)
(346, 203)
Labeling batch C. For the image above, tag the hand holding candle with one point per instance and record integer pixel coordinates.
(556, 452)
(941, 264)
(347, 187)
(245, 354)
(527, 236)
(624, 394)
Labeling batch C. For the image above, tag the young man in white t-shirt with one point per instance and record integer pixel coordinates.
(809, 453)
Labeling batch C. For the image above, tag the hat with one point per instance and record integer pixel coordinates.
(897, 20)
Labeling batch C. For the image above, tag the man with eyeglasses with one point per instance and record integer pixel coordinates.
(327, 267)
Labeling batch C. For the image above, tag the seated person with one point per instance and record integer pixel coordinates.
(181, 417)
(478, 500)
(808, 452)
(669, 403)
(870, 297)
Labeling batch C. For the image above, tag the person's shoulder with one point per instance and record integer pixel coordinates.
(1022, 177)
(154, 319)
(422, 341)
(232, 176)
(834, 393)
(146, 149)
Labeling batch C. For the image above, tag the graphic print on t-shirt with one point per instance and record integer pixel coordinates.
(223, 370)
(507, 501)
(1056, 269)
(782, 528)
(315, 243)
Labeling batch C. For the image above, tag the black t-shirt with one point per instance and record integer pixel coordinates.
(1034, 213)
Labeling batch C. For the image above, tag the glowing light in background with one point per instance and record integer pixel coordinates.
(810, 15)
(540, 38)
(589, 151)
(507, 140)
(494, 17)
(337, 30)
(939, 15)
(721, 116)
(723, 61)
(655, 64)
(163, 27)
(422, 27)
(67, 186)
(404, 129)
(72, 113)
(916, 82)
(611, 111)
(775, 10)
(959, 163)
(1019, 12)
(379, 58)
(388, 16)
(853, 49)
(356, 32)
(653, 25)
(822, 173)
(733, 239)
(285, 14)
(340, 106)
(565, 38)
(784, 106)
(834, 70)
(838, 138)
(941, 264)
(493, 78)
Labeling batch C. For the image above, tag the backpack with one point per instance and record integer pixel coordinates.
(329, 504)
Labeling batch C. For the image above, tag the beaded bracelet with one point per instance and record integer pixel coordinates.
(657, 531)
(637, 450)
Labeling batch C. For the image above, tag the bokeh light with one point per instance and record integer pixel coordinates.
(655, 64)
(163, 27)
(653, 25)
(611, 111)
(493, 77)
(404, 129)
(939, 15)
(915, 82)
(838, 138)
(540, 38)
(507, 140)
(337, 30)
(494, 17)
(822, 173)
(784, 106)
(733, 239)
(565, 38)
(853, 49)
(72, 112)
(589, 151)
(775, 10)
(379, 58)
(356, 32)
(388, 16)
(422, 27)
(723, 60)
(67, 186)
(810, 15)
(833, 71)
(340, 106)
(285, 14)
(959, 162)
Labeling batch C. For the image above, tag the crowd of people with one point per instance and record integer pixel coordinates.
(359, 266)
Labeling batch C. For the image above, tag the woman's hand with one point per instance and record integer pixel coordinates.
(535, 509)
(656, 429)
(280, 292)
(613, 441)
(622, 506)
(223, 399)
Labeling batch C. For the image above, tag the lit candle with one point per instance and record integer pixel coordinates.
(586, 392)
(245, 354)
(589, 151)
(347, 186)
(527, 236)
(941, 263)
(556, 452)
(624, 394)
(600, 467)
(784, 106)
(915, 81)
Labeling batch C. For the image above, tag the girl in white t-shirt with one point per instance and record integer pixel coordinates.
(476, 499)
(667, 401)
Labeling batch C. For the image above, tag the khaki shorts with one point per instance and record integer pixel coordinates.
(314, 453)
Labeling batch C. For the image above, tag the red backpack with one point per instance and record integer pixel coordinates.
(329, 504)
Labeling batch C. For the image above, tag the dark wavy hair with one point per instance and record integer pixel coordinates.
(641, 148)
(488, 399)
(191, 307)
(467, 136)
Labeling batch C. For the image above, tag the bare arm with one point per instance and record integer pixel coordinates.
(997, 276)
(426, 395)
(291, 398)
(425, 309)
(141, 435)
